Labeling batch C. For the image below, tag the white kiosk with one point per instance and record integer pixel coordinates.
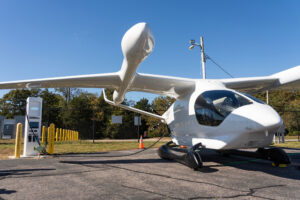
(33, 120)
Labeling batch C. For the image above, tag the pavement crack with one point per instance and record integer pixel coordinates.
(250, 193)
(148, 191)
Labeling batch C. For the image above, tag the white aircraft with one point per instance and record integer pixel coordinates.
(207, 113)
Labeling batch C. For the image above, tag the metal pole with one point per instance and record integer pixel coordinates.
(93, 127)
(297, 125)
(202, 57)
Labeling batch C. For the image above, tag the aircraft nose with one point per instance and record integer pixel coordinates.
(268, 117)
(263, 115)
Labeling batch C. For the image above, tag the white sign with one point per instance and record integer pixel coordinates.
(116, 119)
(137, 121)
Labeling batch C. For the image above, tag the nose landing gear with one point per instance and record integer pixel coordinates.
(190, 158)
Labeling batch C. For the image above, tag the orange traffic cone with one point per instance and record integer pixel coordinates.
(141, 146)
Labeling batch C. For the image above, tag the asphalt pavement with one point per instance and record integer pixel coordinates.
(146, 176)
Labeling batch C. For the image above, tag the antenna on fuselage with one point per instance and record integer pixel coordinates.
(203, 60)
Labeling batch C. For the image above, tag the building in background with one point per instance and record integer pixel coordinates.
(8, 126)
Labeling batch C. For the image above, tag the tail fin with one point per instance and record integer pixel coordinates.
(137, 44)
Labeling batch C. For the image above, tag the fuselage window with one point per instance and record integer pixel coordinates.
(212, 107)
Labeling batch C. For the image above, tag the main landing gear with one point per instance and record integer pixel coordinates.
(277, 155)
(190, 158)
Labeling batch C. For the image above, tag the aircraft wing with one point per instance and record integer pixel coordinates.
(164, 85)
(109, 80)
(286, 80)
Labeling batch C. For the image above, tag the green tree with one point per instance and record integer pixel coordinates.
(143, 104)
(52, 108)
(159, 105)
(14, 102)
(79, 114)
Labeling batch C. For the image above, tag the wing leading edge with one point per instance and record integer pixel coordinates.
(109, 80)
(286, 80)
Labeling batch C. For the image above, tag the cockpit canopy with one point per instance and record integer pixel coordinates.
(212, 107)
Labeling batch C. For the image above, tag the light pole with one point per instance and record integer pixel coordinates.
(201, 45)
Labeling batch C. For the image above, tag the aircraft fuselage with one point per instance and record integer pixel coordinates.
(221, 118)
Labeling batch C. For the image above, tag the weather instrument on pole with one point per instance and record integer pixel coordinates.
(203, 60)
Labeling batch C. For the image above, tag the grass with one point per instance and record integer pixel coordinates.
(289, 145)
(7, 147)
(83, 146)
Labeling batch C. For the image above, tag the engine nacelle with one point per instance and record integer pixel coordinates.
(137, 44)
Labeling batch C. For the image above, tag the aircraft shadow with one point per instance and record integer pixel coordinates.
(252, 164)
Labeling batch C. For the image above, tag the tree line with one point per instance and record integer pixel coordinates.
(91, 115)
(88, 113)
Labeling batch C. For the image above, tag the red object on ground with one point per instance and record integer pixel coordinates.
(141, 146)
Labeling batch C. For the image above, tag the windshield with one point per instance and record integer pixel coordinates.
(253, 98)
(212, 107)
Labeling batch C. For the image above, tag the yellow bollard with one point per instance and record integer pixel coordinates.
(48, 133)
(56, 134)
(18, 140)
(68, 135)
(43, 134)
(51, 139)
(64, 135)
(60, 134)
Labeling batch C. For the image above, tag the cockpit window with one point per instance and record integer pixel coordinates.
(253, 98)
(212, 107)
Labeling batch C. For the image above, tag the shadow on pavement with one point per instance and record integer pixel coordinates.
(98, 154)
(253, 164)
(4, 173)
(124, 161)
(4, 191)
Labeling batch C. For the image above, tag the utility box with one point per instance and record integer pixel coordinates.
(8, 128)
(33, 120)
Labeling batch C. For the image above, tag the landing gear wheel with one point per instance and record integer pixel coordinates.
(277, 155)
(194, 160)
(191, 158)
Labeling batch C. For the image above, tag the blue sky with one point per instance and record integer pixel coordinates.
(40, 39)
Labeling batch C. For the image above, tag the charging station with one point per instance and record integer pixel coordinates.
(33, 121)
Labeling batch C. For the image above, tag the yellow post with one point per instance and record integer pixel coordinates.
(18, 140)
(51, 139)
(68, 135)
(72, 135)
(60, 134)
(56, 134)
(48, 134)
(43, 134)
(77, 135)
(64, 135)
